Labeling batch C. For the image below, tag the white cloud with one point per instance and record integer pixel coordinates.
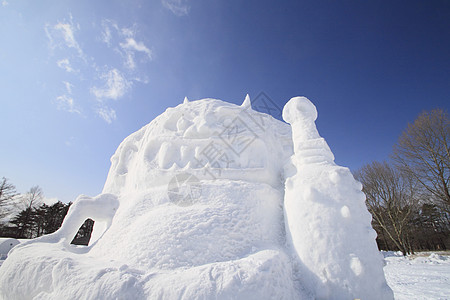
(128, 47)
(127, 32)
(108, 82)
(63, 34)
(68, 86)
(67, 32)
(178, 7)
(66, 102)
(5, 3)
(107, 36)
(65, 65)
(129, 61)
(107, 25)
(107, 114)
(115, 86)
(131, 44)
(108, 29)
(143, 80)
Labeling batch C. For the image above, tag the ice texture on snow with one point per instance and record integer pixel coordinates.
(212, 201)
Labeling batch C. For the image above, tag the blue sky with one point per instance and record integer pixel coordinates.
(77, 77)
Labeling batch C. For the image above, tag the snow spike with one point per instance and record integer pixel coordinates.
(186, 100)
(247, 103)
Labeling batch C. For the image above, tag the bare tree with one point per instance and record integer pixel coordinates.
(423, 151)
(33, 198)
(391, 197)
(7, 194)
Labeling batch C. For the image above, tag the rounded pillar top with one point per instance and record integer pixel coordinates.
(299, 108)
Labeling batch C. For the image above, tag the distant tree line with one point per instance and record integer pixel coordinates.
(36, 218)
(409, 197)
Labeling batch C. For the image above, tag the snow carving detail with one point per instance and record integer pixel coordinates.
(101, 209)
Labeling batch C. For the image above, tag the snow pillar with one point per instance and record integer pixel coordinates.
(327, 223)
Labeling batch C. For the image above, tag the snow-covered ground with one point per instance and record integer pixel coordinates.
(422, 276)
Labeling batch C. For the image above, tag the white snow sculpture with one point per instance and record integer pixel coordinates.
(327, 222)
(193, 209)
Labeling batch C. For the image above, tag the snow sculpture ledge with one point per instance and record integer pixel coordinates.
(212, 200)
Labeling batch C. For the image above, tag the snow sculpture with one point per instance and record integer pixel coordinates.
(326, 218)
(196, 206)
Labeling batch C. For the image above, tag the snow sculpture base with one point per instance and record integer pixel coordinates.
(196, 206)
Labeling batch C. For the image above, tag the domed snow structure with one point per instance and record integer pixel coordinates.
(212, 201)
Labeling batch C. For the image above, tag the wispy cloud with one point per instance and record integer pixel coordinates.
(106, 113)
(5, 3)
(116, 83)
(130, 32)
(63, 35)
(178, 7)
(65, 65)
(107, 82)
(115, 86)
(131, 44)
(107, 32)
(68, 86)
(67, 33)
(128, 46)
(65, 102)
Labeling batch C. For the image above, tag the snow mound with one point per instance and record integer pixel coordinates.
(212, 200)
(6, 244)
(432, 259)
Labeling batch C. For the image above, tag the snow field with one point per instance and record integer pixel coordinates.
(423, 277)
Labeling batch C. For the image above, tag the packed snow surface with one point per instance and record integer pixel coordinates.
(212, 201)
(418, 277)
(410, 278)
